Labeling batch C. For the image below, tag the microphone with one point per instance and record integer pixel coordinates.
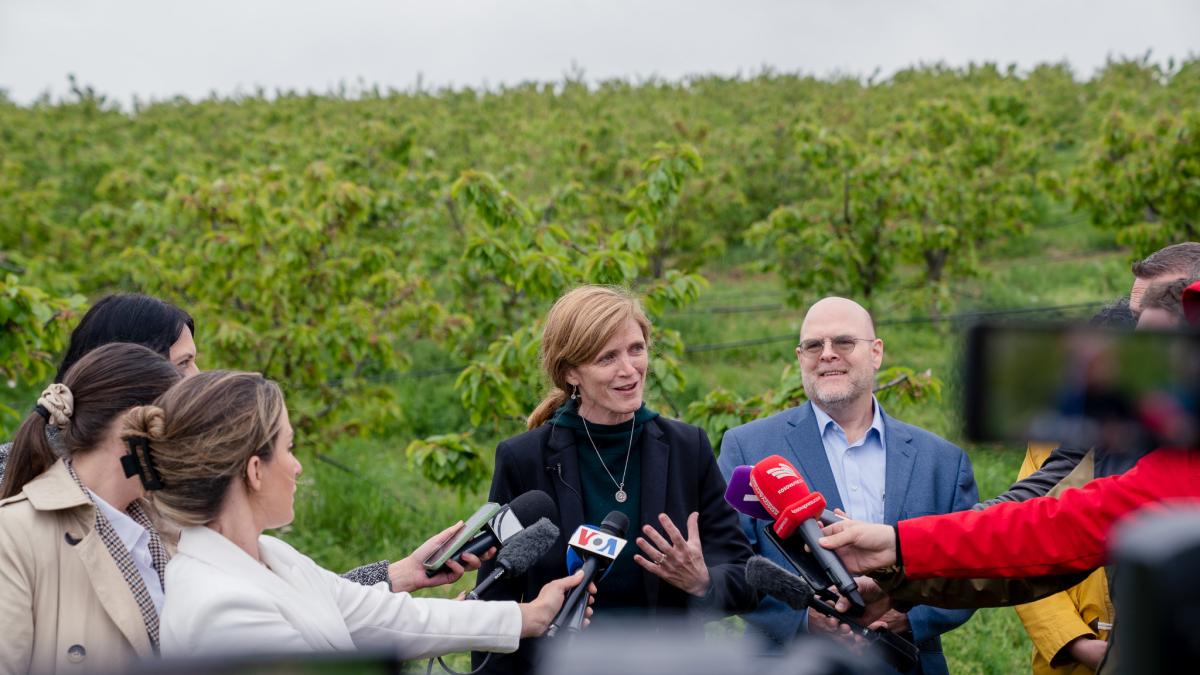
(785, 496)
(598, 548)
(528, 507)
(742, 498)
(767, 577)
(519, 553)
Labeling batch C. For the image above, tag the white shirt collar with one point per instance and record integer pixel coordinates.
(127, 529)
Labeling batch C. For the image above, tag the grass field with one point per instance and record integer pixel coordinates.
(371, 505)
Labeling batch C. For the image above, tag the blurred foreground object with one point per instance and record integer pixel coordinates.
(651, 649)
(1082, 386)
(1158, 593)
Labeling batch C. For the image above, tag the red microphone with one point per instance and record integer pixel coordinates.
(785, 496)
(808, 508)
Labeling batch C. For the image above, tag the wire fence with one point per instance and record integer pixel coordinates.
(959, 318)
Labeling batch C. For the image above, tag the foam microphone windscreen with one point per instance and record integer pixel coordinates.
(527, 546)
(765, 576)
(741, 497)
(615, 522)
(777, 483)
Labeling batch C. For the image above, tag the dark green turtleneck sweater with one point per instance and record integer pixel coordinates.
(622, 587)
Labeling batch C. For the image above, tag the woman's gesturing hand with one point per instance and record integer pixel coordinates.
(863, 547)
(409, 574)
(537, 615)
(679, 562)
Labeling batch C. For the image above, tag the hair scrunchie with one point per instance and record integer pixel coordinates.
(59, 402)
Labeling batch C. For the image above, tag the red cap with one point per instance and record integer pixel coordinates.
(1191, 303)
(778, 484)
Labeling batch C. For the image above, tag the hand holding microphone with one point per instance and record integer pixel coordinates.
(864, 546)
(409, 574)
(537, 616)
(795, 592)
(519, 554)
(785, 496)
(489, 527)
(597, 548)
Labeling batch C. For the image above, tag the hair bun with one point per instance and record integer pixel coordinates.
(145, 420)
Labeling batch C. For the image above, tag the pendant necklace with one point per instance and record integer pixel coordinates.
(620, 496)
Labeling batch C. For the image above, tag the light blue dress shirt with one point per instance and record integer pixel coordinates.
(859, 469)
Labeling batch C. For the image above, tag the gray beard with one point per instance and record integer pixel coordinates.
(836, 402)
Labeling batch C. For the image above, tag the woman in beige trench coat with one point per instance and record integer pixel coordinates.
(72, 598)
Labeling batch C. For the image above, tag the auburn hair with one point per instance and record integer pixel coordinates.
(578, 326)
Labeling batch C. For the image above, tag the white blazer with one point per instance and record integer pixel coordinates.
(219, 600)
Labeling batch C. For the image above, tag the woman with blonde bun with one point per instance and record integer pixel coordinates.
(217, 450)
(81, 560)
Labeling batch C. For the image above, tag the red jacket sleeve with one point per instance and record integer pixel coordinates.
(1045, 535)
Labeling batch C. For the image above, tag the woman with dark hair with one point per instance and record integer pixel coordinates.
(170, 331)
(127, 317)
(595, 447)
(140, 319)
(81, 561)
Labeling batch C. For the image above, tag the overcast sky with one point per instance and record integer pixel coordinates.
(161, 48)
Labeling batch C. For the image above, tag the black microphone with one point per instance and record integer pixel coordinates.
(598, 548)
(765, 576)
(519, 553)
(528, 507)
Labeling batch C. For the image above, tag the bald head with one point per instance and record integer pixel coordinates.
(842, 312)
(839, 355)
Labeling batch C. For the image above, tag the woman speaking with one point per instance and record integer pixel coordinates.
(595, 447)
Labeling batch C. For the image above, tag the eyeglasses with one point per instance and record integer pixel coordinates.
(842, 345)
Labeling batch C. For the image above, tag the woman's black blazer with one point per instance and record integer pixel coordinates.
(679, 476)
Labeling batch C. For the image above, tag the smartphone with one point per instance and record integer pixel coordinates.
(470, 529)
(1082, 386)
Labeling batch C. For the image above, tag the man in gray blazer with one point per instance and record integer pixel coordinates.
(873, 467)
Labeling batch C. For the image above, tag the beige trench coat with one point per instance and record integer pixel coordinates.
(64, 605)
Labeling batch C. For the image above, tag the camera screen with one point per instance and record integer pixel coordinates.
(1082, 386)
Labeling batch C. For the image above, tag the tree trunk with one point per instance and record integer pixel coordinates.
(935, 266)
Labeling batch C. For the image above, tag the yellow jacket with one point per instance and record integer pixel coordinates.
(1082, 610)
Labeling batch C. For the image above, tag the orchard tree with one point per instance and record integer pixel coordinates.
(654, 208)
(286, 277)
(841, 238)
(34, 329)
(1142, 179)
(968, 178)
